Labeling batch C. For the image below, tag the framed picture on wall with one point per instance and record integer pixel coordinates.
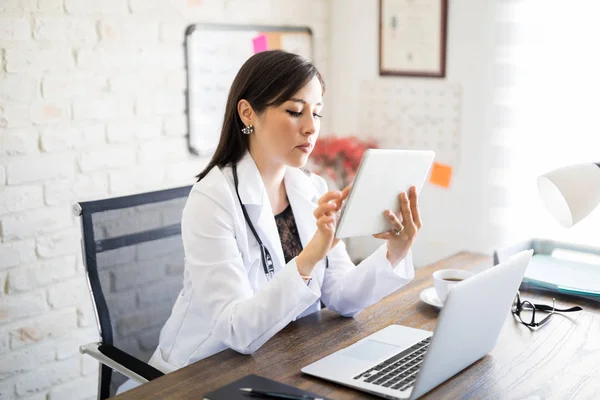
(412, 37)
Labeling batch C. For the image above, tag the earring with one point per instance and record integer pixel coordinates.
(247, 130)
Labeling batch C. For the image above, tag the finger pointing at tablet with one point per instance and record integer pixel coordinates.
(327, 215)
(345, 193)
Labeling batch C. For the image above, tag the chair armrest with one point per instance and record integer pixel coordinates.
(122, 362)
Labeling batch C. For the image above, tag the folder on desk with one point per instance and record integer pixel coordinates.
(561, 267)
(564, 276)
(232, 391)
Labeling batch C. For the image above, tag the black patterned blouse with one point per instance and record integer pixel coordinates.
(288, 234)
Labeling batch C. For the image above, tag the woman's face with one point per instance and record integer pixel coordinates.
(286, 134)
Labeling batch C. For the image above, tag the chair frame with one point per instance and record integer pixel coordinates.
(110, 357)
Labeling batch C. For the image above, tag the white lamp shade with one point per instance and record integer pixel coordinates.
(571, 193)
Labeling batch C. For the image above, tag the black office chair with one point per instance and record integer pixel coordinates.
(134, 259)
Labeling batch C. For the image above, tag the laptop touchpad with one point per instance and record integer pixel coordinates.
(370, 350)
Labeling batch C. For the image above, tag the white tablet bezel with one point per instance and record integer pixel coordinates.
(396, 171)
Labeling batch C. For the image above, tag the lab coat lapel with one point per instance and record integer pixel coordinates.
(254, 196)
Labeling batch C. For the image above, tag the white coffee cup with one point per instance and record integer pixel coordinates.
(444, 279)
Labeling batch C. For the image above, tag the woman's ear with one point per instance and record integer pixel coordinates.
(245, 112)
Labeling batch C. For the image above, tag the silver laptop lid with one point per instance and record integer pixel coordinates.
(470, 322)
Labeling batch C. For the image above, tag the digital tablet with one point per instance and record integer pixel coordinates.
(382, 175)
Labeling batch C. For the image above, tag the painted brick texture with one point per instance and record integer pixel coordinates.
(92, 106)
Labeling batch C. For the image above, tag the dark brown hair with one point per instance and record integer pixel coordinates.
(267, 79)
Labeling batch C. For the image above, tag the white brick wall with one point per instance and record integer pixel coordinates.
(23, 305)
(58, 86)
(35, 58)
(42, 329)
(14, 115)
(26, 359)
(29, 223)
(41, 273)
(87, 7)
(73, 389)
(46, 376)
(19, 141)
(74, 30)
(20, 198)
(30, 5)
(18, 88)
(39, 168)
(91, 106)
(14, 27)
(15, 253)
(2, 175)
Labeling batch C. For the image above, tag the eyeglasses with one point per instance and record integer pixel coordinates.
(525, 311)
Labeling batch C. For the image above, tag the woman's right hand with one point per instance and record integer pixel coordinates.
(327, 216)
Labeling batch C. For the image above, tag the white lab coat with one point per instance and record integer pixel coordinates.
(226, 301)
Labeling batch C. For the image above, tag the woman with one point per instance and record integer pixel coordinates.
(238, 293)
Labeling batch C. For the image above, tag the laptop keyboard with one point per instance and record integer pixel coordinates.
(400, 371)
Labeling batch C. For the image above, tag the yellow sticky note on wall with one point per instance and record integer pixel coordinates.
(441, 174)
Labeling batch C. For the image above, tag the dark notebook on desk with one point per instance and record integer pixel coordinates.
(231, 391)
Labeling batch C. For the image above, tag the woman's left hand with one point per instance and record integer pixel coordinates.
(404, 232)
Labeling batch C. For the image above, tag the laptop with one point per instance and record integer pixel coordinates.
(399, 362)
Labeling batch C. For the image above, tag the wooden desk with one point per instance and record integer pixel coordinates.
(561, 360)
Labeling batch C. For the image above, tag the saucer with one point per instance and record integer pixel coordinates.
(430, 297)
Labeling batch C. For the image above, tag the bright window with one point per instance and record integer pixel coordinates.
(552, 96)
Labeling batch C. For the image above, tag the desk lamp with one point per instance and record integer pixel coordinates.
(571, 193)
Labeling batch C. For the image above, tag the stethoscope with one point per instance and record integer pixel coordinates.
(267, 260)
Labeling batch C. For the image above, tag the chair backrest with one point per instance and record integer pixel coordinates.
(134, 259)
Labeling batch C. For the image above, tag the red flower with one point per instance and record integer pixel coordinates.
(339, 157)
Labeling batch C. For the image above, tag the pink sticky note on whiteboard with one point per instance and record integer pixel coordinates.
(260, 43)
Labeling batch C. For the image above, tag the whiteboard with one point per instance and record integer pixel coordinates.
(214, 54)
(413, 116)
